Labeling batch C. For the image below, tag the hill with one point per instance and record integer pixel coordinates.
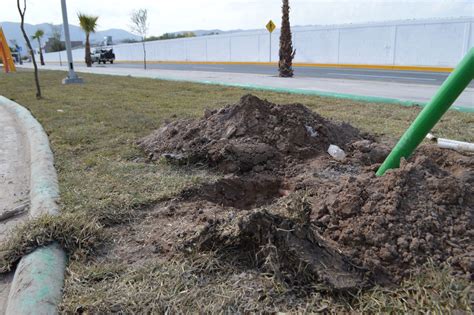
(13, 32)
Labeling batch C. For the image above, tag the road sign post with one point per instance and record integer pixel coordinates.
(270, 53)
(270, 27)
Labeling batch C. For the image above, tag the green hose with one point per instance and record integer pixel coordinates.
(432, 113)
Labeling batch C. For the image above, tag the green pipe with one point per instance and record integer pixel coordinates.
(432, 113)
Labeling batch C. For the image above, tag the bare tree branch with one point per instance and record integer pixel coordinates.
(139, 21)
(140, 27)
(30, 48)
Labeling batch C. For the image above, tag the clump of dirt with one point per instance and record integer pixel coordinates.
(303, 216)
(283, 242)
(423, 210)
(252, 134)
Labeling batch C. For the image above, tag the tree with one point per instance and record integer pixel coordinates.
(140, 26)
(171, 36)
(88, 24)
(38, 35)
(286, 46)
(55, 38)
(28, 43)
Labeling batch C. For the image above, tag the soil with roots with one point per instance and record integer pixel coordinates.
(284, 206)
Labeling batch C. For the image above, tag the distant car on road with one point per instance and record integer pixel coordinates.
(104, 55)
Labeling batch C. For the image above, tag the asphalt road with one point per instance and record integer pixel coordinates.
(415, 77)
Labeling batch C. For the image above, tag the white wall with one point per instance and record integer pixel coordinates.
(418, 43)
(447, 44)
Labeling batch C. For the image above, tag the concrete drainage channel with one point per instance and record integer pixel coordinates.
(37, 283)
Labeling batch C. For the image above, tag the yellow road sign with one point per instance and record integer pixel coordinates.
(270, 26)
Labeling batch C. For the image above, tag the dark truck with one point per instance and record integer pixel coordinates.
(103, 55)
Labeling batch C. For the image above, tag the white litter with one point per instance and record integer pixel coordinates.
(336, 152)
(313, 133)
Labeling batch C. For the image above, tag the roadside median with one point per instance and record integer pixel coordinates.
(357, 90)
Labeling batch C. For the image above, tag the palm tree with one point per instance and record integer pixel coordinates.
(38, 34)
(88, 24)
(286, 46)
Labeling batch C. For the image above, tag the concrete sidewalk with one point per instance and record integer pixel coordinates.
(14, 184)
(417, 93)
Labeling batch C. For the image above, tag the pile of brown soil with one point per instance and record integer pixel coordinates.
(423, 210)
(252, 134)
(303, 216)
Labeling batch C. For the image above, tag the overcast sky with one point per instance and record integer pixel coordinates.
(179, 15)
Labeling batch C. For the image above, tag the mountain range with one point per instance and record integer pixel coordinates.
(13, 32)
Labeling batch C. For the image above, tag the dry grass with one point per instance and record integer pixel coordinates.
(77, 233)
(432, 292)
(205, 283)
(105, 181)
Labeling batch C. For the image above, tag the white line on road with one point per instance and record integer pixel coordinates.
(382, 76)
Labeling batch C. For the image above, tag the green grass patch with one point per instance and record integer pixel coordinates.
(105, 181)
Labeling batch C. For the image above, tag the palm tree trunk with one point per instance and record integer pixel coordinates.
(286, 46)
(88, 51)
(40, 52)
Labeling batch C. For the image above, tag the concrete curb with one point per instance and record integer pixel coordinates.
(39, 277)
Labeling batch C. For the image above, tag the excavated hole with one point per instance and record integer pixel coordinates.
(239, 192)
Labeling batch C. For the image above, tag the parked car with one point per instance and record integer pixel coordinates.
(104, 55)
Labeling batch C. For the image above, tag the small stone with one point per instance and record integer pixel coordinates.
(415, 244)
(387, 253)
(402, 242)
(325, 219)
(207, 113)
(429, 237)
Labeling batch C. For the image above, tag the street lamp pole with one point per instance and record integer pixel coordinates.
(72, 76)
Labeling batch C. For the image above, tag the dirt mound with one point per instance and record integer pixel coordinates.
(305, 217)
(251, 134)
(423, 210)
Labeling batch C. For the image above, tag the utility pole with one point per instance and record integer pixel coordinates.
(72, 76)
